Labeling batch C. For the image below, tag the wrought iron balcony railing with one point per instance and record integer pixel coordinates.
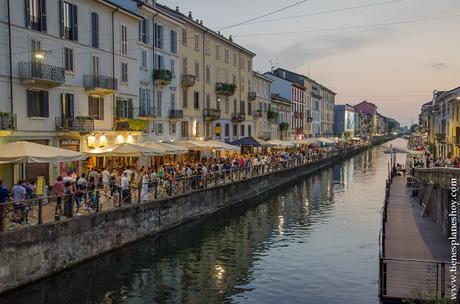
(211, 114)
(176, 114)
(8, 121)
(32, 70)
(238, 117)
(100, 83)
(252, 96)
(162, 77)
(226, 89)
(80, 124)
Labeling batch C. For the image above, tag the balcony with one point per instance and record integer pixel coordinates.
(99, 84)
(8, 121)
(162, 77)
(225, 89)
(130, 124)
(78, 124)
(440, 136)
(238, 117)
(309, 119)
(272, 115)
(211, 114)
(188, 80)
(258, 114)
(252, 96)
(41, 74)
(176, 114)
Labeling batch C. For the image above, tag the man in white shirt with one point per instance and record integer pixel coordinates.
(125, 188)
(106, 180)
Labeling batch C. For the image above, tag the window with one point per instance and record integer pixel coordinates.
(242, 130)
(173, 100)
(124, 108)
(144, 28)
(172, 128)
(145, 108)
(68, 59)
(196, 100)
(95, 30)
(227, 104)
(234, 79)
(235, 106)
(218, 104)
(184, 36)
(208, 101)
(217, 51)
(144, 59)
(227, 55)
(227, 130)
(197, 70)
(124, 40)
(184, 98)
(159, 62)
(249, 108)
(67, 106)
(184, 129)
(208, 74)
(242, 107)
(249, 65)
(160, 128)
(68, 21)
(124, 72)
(235, 130)
(235, 59)
(173, 42)
(184, 65)
(249, 131)
(241, 62)
(36, 15)
(207, 46)
(197, 42)
(159, 38)
(96, 107)
(159, 103)
(95, 65)
(37, 104)
(173, 67)
(35, 45)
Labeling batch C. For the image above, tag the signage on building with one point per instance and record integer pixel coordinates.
(69, 142)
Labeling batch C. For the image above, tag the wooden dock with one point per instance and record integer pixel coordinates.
(415, 254)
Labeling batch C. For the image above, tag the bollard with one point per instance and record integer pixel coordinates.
(2, 217)
(120, 197)
(40, 212)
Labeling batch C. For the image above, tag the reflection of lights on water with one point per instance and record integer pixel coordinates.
(220, 271)
(281, 224)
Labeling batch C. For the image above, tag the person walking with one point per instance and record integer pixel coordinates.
(145, 186)
(58, 191)
(125, 188)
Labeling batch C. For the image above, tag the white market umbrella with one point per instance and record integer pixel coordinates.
(29, 152)
(166, 148)
(125, 150)
(223, 146)
(195, 145)
(280, 143)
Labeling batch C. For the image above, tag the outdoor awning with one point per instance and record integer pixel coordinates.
(224, 146)
(29, 152)
(196, 145)
(250, 142)
(125, 150)
(166, 148)
(280, 143)
(327, 141)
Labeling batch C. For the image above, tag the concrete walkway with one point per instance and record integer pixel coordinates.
(414, 246)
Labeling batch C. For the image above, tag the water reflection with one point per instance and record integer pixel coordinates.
(315, 241)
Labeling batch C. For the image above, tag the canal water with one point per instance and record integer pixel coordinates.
(313, 241)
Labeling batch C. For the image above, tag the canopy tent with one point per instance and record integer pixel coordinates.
(250, 142)
(29, 152)
(356, 138)
(306, 141)
(125, 150)
(280, 143)
(166, 148)
(224, 146)
(197, 145)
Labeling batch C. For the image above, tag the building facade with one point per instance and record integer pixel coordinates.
(344, 121)
(261, 86)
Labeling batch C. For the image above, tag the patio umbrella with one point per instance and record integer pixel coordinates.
(125, 149)
(280, 143)
(166, 148)
(195, 145)
(29, 152)
(250, 142)
(223, 146)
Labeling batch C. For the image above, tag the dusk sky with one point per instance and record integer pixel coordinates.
(394, 66)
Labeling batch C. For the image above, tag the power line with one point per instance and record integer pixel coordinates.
(327, 11)
(353, 27)
(265, 15)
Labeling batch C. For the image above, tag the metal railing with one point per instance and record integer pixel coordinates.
(38, 70)
(188, 80)
(74, 124)
(437, 176)
(176, 114)
(238, 117)
(8, 121)
(48, 208)
(94, 81)
(211, 114)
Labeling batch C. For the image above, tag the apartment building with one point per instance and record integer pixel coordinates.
(261, 86)
(327, 111)
(216, 82)
(70, 73)
(344, 121)
(281, 95)
(298, 111)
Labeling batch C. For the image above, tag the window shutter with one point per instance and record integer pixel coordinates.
(147, 31)
(130, 108)
(30, 101)
(140, 31)
(45, 104)
(95, 29)
(90, 106)
(43, 15)
(61, 18)
(27, 12)
(119, 108)
(101, 108)
(75, 22)
(70, 107)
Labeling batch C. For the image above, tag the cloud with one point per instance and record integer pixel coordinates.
(439, 66)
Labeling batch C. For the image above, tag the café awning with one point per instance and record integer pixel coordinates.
(327, 141)
(224, 146)
(29, 152)
(280, 143)
(125, 150)
(196, 145)
(165, 148)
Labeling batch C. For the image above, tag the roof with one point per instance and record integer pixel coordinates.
(128, 6)
(257, 74)
(177, 13)
(278, 97)
(307, 78)
(250, 142)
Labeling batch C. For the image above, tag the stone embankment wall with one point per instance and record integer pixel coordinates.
(29, 254)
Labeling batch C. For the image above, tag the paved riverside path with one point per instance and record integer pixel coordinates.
(413, 245)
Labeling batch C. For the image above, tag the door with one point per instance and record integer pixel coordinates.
(34, 170)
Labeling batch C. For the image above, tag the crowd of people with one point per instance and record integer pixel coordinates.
(111, 187)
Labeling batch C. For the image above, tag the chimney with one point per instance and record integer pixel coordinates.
(190, 15)
(177, 9)
(201, 22)
(230, 38)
